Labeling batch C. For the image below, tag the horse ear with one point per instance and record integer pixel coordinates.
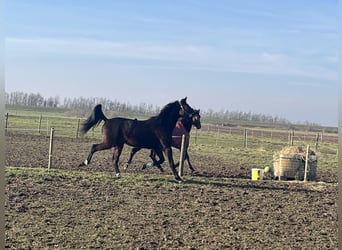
(184, 100)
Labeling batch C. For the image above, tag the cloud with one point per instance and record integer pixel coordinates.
(173, 56)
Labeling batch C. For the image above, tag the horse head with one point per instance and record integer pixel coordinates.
(196, 119)
(189, 114)
(185, 109)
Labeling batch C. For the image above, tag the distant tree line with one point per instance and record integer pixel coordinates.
(31, 99)
(79, 103)
(82, 103)
(89, 103)
(244, 116)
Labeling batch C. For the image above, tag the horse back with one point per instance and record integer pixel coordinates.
(142, 134)
(112, 131)
(133, 132)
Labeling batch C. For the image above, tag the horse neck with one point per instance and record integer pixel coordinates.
(169, 115)
(187, 123)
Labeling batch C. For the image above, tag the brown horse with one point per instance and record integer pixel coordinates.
(183, 126)
(154, 133)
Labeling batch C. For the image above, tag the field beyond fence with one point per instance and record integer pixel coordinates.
(70, 127)
(230, 143)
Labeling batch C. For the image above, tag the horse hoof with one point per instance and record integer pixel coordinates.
(85, 163)
(118, 175)
(180, 180)
(147, 165)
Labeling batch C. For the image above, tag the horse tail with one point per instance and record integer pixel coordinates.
(94, 119)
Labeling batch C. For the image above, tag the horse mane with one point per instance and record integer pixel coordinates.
(165, 115)
(166, 108)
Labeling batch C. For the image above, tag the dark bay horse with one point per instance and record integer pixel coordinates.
(183, 126)
(154, 133)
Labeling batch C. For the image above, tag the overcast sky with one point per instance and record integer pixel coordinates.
(265, 56)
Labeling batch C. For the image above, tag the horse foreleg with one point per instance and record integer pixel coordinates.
(168, 153)
(116, 156)
(188, 160)
(133, 152)
(186, 157)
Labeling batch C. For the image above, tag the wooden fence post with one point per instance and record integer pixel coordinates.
(316, 144)
(218, 134)
(196, 137)
(306, 163)
(245, 138)
(181, 158)
(40, 123)
(291, 137)
(51, 147)
(6, 121)
(47, 126)
(322, 137)
(77, 127)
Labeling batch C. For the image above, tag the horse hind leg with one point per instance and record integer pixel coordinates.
(133, 152)
(116, 156)
(154, 160)
(90, 155)
(94, 148)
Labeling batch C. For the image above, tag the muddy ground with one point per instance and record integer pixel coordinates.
(217, 207)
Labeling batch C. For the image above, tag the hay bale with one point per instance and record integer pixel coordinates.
(297, 151)
(312, 167)
(287, 166)
(289, 163)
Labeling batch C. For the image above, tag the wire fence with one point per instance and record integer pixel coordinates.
(247, 144)
(70, 127)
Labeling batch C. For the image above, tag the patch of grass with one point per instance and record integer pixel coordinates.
(107, 178)
(85, 178)
(66, 209)
(259, 151)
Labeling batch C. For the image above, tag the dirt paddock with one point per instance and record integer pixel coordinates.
(218, 207)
